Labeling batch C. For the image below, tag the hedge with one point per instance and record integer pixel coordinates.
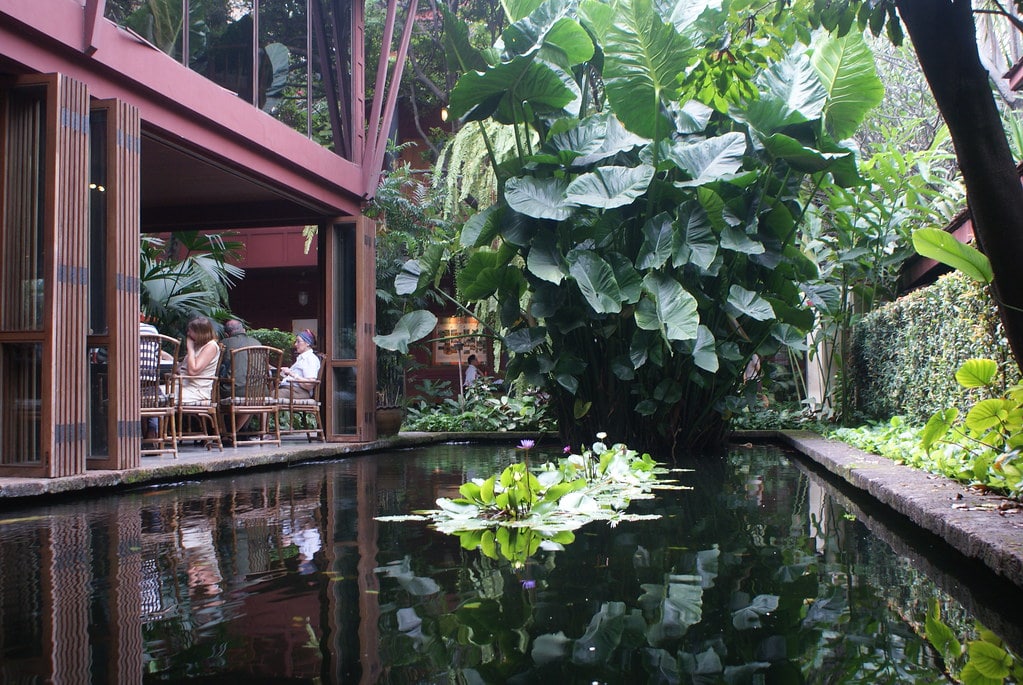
(905, 353)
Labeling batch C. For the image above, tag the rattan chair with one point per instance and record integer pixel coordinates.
(251, 393)
(299, 407)
(157, 394)
(199, 420)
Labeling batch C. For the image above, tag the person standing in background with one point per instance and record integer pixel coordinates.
(472, 371)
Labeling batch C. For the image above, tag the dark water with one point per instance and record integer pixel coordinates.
(760, 574)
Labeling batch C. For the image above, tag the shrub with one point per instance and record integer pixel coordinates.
(905, 354)
(274, 337)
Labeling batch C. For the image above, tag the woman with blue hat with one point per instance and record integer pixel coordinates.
(306, 368)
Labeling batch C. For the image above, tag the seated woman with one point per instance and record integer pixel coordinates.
(306, 368)
(202, 352)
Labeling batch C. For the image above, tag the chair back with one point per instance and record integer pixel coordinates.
(255, 375)
(151, 376)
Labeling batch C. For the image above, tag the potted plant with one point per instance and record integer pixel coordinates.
(390, 410)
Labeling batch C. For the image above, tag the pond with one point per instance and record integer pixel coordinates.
(761, 573)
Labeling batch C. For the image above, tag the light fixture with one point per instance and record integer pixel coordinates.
(303, 298)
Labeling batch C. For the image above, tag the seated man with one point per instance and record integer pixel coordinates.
(236, 337)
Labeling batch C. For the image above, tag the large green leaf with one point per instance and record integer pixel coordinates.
(410, 328)
(549, 24)
(794, 82)
(657, 242)
(676, 308)
(567, 145)
(483, 273)
(629, 282)
(517, 9)
(705, 354)
(709, 160)
(616, 139)
(943, 247)
(846, 67)
(609, 186)
(596, 281)
(977, 373)
(735, 239)
(798, 156)
(481, 228)
(523, 79)
(540, 198)
(791, 93)
(525, 339)
(694, 242)
(460, 53)
(643, 58)
(751, 304)
(544, 259)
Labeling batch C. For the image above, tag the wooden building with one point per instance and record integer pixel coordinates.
(104, 136)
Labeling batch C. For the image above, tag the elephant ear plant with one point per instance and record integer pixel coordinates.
(643, 245)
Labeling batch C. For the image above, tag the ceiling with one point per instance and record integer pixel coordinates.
(183, 190)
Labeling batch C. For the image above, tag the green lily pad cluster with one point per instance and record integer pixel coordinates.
(523, 508)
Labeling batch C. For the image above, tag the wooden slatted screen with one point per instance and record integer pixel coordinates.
(120, 194)
(65, 371)
(43, 318)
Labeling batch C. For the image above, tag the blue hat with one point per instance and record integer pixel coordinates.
(307, 336)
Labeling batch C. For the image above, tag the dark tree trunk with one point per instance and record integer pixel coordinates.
(944, 36)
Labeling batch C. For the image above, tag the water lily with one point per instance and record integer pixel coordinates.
(526, 444)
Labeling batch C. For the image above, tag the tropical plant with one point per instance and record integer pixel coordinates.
(477, 409)
(185, 275)
(859, 238)
(991, 433)
(642, 248)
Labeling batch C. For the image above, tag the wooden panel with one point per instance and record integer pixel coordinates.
(65, 371)
(364, 363)
(50, 388)
(121, 285)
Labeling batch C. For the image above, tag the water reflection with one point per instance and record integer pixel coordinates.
(757, 575)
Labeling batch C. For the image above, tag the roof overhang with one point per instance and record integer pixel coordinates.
(209, 159)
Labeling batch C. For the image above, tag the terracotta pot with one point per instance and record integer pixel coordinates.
(388, 420)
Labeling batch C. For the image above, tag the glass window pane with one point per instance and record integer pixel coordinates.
(21, 375)
(97, 222)
(344, 401)
(24, 137)
(344, 293)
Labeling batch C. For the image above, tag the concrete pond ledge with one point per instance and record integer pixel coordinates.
(984, 527)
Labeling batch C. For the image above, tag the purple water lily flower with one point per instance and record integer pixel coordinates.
(526, 444)
(567, 449)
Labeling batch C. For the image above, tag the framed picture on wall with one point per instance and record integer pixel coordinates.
(456, 337)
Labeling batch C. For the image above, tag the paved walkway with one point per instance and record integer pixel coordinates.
(982, 527)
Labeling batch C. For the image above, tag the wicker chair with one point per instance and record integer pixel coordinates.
(298, 407)
(252, 392)
(157, 394)
(198, 421)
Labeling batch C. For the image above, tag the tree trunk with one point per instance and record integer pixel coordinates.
(944, 36)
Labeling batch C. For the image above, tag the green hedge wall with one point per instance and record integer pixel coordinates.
(905, 354)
